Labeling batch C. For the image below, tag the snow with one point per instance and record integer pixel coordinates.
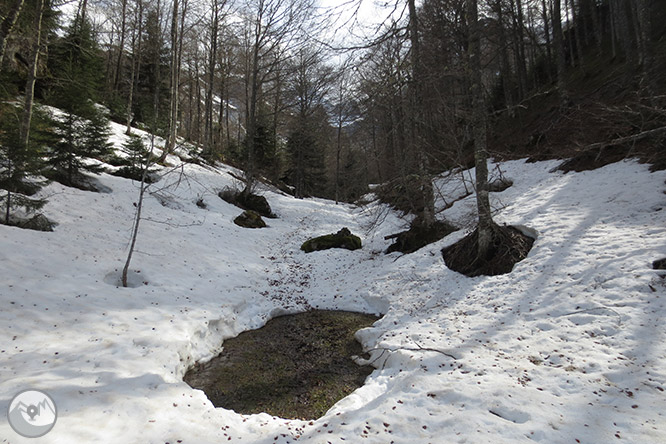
(569, 347)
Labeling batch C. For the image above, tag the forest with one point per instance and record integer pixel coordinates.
(321, 101)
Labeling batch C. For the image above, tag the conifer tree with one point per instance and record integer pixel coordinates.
(20, 165)
(83, 130)
(138, 159)
(79, 138)
(76, 65)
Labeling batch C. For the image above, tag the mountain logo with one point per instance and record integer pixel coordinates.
(32, 413)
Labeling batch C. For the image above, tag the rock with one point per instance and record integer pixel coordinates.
(250, 219)
(419, 236)
(659, 264)
(250, 201)
(500, 184)
(255, 203)
(342, 239)
(38, 222)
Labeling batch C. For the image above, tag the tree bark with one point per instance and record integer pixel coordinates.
(486, 224)
(136, 63)
(252, 95)
(7, 25)
(212, 59)
(426, 205)
(173, 86)
(549, 53)
(559, 53)
(32, 75)
(521, 60)
(139, 207)
(121, 47)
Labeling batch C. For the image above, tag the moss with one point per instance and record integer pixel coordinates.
(296, 366)
(342, 239)
(250, 219)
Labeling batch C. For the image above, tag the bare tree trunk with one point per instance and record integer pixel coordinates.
(82, 11)
(225, 90)
(559, 53)
(212, 59)
(577, 25)
(486, 224)
(252, 115)
(505, 66)
(139, 206)
(645, 24)
(136, 63)
(572, 59)
(593, 10)
(520, 46)
(121, 47)
(427, 197)
(549, 54)
(622, 29)
(338, 148)
(198, 97)
(173, 88)
(32, 75)
(7, 25)
(190, 103)
(220, 115)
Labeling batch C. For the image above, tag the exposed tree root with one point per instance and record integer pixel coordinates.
(508, 246)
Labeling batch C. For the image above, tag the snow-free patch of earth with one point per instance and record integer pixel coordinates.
(569, 347)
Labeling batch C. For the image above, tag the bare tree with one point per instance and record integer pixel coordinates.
(143, 186)
(344, 114)
(177, 31)
(217, 15)
(273, 28)
(426, 200)
(486, 224)
(137, 36)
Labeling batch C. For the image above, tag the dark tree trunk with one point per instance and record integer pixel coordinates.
(559, 53)
(121, 47)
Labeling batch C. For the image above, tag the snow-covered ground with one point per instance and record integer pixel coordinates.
(569, 347)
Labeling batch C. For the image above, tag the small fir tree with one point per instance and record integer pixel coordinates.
(138, 159)
(79, 138)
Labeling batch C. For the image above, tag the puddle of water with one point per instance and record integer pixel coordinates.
(296, 366)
